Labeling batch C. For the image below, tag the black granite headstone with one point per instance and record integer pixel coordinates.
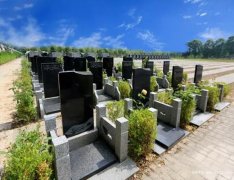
(127, 70)
(50, 78)
(108, 63)
(166, 67)
(198, 73)
(177, 76)
(96, 68)
(80, 64)
(90, 59)
(127, 58)
(68, 63)
(76, 93)
(150, 65)
(141, 80)
(40, 60)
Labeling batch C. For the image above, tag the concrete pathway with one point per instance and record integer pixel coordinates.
(7, 75)
(207, 153)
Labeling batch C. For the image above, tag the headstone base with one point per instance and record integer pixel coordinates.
(52, 105)
(201, 118)
(221, 105)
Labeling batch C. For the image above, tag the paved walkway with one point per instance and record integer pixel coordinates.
(7, 75)
(208, 153)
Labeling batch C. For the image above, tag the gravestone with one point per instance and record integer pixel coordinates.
(198, 74)
(50, 78)
(68, 63)
(32, 57)
(90, 58)
(108, 63)
(150, 65)
(166, 67)
(40, 60)
(141, 80)
(127, 70)
(80, 64)
(76, 93)
(177, 76)
(96, 68)
(127, 58)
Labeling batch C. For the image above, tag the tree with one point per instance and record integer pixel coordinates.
(230, 46)
(219, 48)
(195, 47)
(208, 48)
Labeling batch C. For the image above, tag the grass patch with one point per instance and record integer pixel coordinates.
(8, 56)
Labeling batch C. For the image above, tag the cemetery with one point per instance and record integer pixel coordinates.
(102, 115)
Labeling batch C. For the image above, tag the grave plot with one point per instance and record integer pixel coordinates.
(80, 64)
(49, 102)
(90, 57)
(127, 70)
(68, 63)
(96, 69)
(221, 104)
(168, 128)
(86, 151)
(150, 65)
(166, 67)
(177, 76)
(108, 64)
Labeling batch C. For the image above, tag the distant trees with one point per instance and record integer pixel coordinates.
(219, 48)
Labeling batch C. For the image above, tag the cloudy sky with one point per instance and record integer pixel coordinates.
(164, 25)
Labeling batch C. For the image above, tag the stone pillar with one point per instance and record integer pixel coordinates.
(105, 81)
(128, 105)
(204, 100)
(50, 122)
(121, 138)
(100, 112)
(62, 158)
(176, 111)
(221, 92)
(153, 97)
(39, 95)
(155, 112)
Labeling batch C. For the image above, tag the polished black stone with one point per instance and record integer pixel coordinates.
(91, 159)
(150, 65)
(68, 63)
(127, 58)
(96, 68)
(76, 93)
(177, 76)
(40, 60)
(50, 78)
(141, 80)
(166, 67)
(80, 64)
(167, 135)
(108, 63)
(198, 74)
(90, 59)
(127, 70)
(52, 105)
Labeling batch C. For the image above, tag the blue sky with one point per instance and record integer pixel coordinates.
(162, 25)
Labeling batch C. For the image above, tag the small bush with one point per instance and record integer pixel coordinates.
(112, 78)
(165, 97)
(29, 158)
(119, 67)
(115, 110)
(185, 77)
(23, 95)
(153, 84)
(213, 97)
(142, 132)
(125, 89)
(188, 106)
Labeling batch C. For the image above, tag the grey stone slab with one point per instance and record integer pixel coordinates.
(158, 149)
(52, 106)
(102, 98)
(118, 171)
(221, 105)
(201, 118)
(168, 136)
(91, 159)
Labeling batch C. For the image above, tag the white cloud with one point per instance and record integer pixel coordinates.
(203, 14)
(14, 18)
(25, 6)
(192, 1)
(98, 40)
(150, 40)
(187, 17)
(213, 33)
(27, 35)
(136, 20)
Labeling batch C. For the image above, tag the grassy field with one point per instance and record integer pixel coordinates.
(201, 59)
(8, 56)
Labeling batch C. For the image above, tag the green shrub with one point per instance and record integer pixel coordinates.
(159, 73)
(104, 75)
(165, 97)
(29, 158)
(7, 56)
(213, 97)
(169, 77)
(227, 87)
(188, 106)
(125, 89)
(112, 78)
(153, 84)
(23, 95)
(185, 77)
(142, 132)
(193, 89)
(119, 67)
(115, 110)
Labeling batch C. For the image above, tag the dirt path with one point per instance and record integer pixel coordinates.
(7, 75)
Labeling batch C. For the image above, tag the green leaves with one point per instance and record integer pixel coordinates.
(124, 89)
(115, 110)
